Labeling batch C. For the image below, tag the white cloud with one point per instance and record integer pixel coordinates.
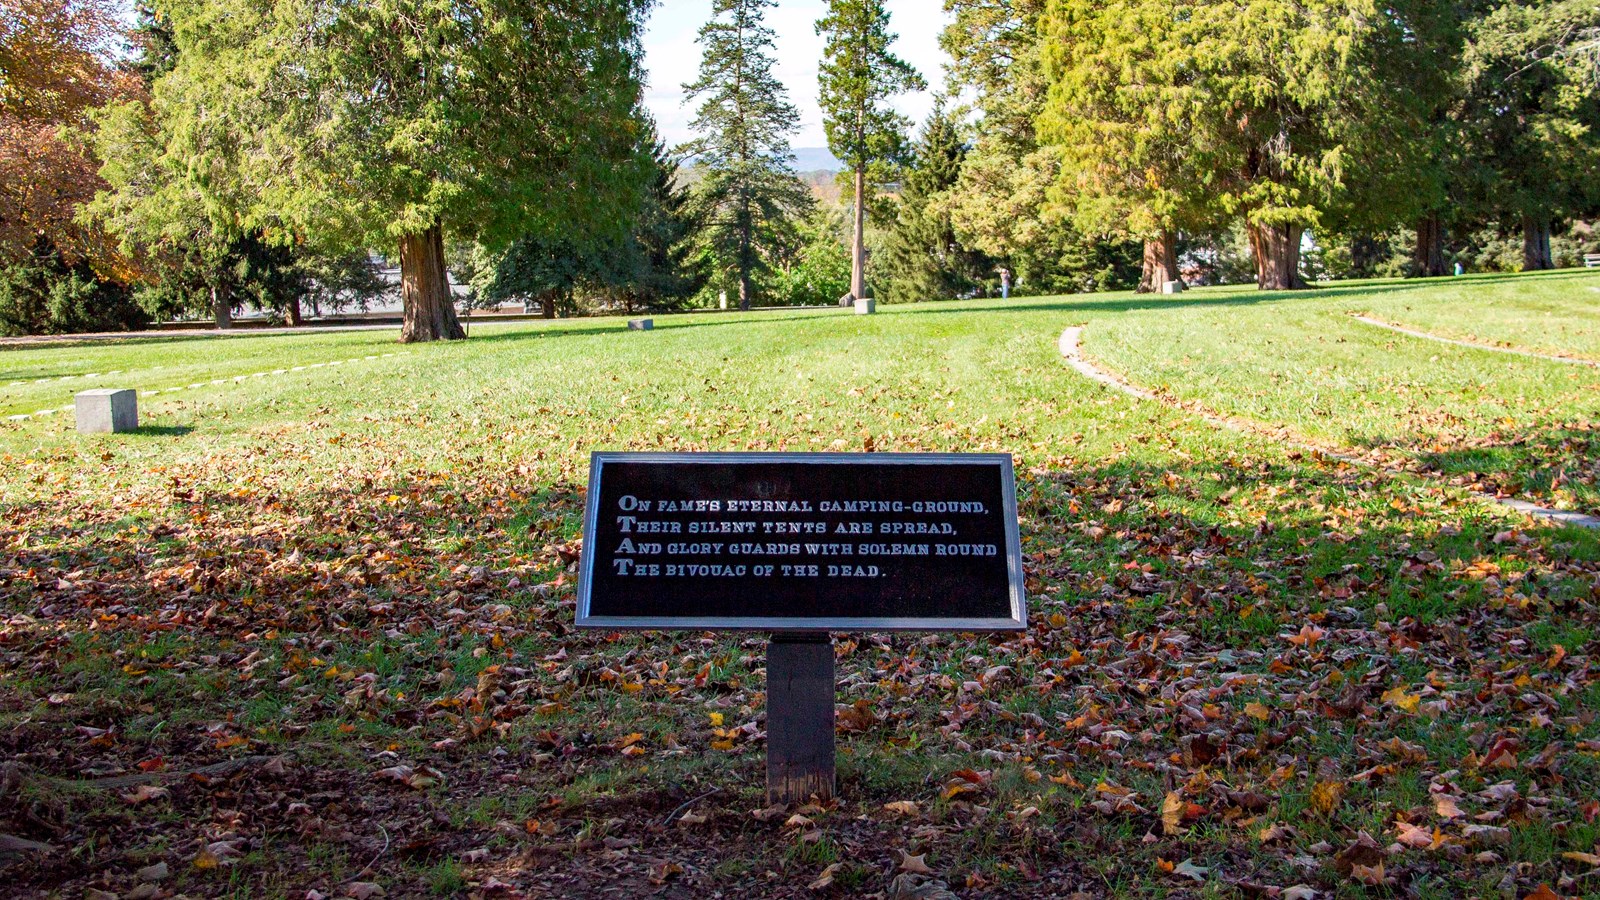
(672, 58)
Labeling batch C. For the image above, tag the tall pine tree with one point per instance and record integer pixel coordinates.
(859, 74)
(923, 258)
(748, 199)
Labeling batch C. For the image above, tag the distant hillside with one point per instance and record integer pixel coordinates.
(824, 183)
(816, 159)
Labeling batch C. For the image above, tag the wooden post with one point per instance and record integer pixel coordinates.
(799, 717)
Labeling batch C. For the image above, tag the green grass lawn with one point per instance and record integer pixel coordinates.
(1505, 424)
(47, 377)
(1556, 312)
(353, 579)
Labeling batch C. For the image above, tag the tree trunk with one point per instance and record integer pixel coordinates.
(222, 305)
(1427, 260)
(1277, 253)
(547, 305)
(858, 234)
(1160, 263)
(430, 309)
(1536, 244)
(746, 263)
(293, 315)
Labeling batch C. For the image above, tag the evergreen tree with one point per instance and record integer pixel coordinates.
(44, 293)
(1531, 85)
(923, 257)
(858, 76)
(664, 276)
(748, 199)
(157, 50)
(1000, 205)
(197, 259)
(1271, 105)
(354, 124)
(1120, 136)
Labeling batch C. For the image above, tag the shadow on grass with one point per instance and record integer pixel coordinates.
(1551, 463)
(1243, 295)
(162, 430)
(1153, 576)
(621, 327)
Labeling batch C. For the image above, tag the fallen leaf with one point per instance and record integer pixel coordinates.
(1445, 806)
(1414, 835)
(915, 864)
(1325, 796)
(1308, 637)
(363, 890)
(661, 872)
(1257, 711)
(1402, 700)
(825, 880)
(144, 793)
(1372, 876)
(1172, 810)
(907, 808)
(1187, 869)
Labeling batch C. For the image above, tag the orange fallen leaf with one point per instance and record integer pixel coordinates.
(1172, 809)
(1308, 637)
(1325, 796)
(1371, 876)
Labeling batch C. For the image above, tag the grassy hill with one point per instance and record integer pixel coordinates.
(1249, 666)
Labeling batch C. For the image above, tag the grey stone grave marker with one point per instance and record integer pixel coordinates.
(107, 410)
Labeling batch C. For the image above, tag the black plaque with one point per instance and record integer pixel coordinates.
(801, 542)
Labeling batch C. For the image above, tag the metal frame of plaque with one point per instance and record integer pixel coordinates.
(1015, 621)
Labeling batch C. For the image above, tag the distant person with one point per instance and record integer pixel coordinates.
(1459, 270)
(1005, 284)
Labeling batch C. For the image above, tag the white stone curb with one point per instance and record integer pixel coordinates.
(1073, 352)
(1472, 345)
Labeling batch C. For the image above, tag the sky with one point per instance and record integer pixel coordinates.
(671, 58)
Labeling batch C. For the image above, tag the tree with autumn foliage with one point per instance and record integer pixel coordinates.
(56, 65)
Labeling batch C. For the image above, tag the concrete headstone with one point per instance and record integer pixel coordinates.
(866, 307)
(107, 411)
(641, 324)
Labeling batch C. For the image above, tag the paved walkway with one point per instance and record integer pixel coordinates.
(1071, 349)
